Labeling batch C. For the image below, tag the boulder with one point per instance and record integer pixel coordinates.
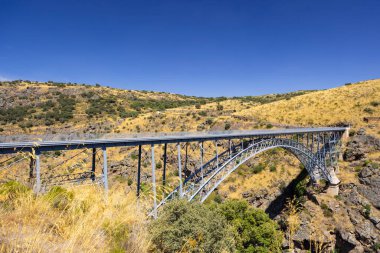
(346, 241)
(355, 151)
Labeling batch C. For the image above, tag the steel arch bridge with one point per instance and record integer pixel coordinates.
(316, 148)
(200, 186)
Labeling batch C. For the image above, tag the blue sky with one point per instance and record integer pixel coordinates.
(205, 48)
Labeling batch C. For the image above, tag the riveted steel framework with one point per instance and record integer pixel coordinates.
(219, 154)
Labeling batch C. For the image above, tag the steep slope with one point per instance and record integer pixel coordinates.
(36, 107)
(62, 108)
(348, 104)
(264, 181)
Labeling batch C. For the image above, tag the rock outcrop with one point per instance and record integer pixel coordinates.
(369, 178)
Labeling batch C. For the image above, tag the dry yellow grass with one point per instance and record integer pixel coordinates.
(326, 107)
(35, 226)
(88, 224)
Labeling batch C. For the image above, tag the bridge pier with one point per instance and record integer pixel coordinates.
(333, 190)
(333, 187)
(201, 160)
(165, 161)
(37, 188)
(346, 134)
(105, 170)
(154, 185)
(179, 169)
(31, 168)
(139, 172)
(93, 164)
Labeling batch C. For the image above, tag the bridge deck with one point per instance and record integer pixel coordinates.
(149, 139)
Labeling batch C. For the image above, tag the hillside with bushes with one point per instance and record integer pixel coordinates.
(267, 205)
(53, 107)
(345, 105)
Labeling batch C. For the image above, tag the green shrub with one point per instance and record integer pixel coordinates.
(375, 165)
(59, 197)
(254, 231)
(367, 210)
(301, 188)
(191, 227)
(209, 121)
(14, 114)
(12, 190)
(202, 113)
(258, 168)
(327, 212)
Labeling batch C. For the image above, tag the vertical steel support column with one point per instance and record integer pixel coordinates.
(139, 172)
(179, 169)
(38, 172)
(165, 158)
(105, 169)
(307, 141)
(324, 148)
(331, 136)
(230, 150)
(201, 146)
(186, 154)
(312, 143)
(93, 164)
(31, 167)
(217, 154)
(318, 141)
(154, 184)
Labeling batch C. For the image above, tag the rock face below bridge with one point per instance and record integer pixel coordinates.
(349, 222)
(360, 145)
(369, 178)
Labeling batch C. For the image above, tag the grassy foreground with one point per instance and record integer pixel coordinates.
(77, 220)
(83, 220)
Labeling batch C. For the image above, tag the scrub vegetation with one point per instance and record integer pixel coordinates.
(81, 219)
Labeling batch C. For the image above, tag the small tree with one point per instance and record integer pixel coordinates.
(254, 230)
(191, 227)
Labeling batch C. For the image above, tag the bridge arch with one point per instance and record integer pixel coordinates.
(201, 188)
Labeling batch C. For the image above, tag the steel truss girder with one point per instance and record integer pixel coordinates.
(315, 164)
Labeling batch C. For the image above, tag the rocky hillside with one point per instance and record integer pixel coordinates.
(38, 107)
(313, 221)
(51, 107)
